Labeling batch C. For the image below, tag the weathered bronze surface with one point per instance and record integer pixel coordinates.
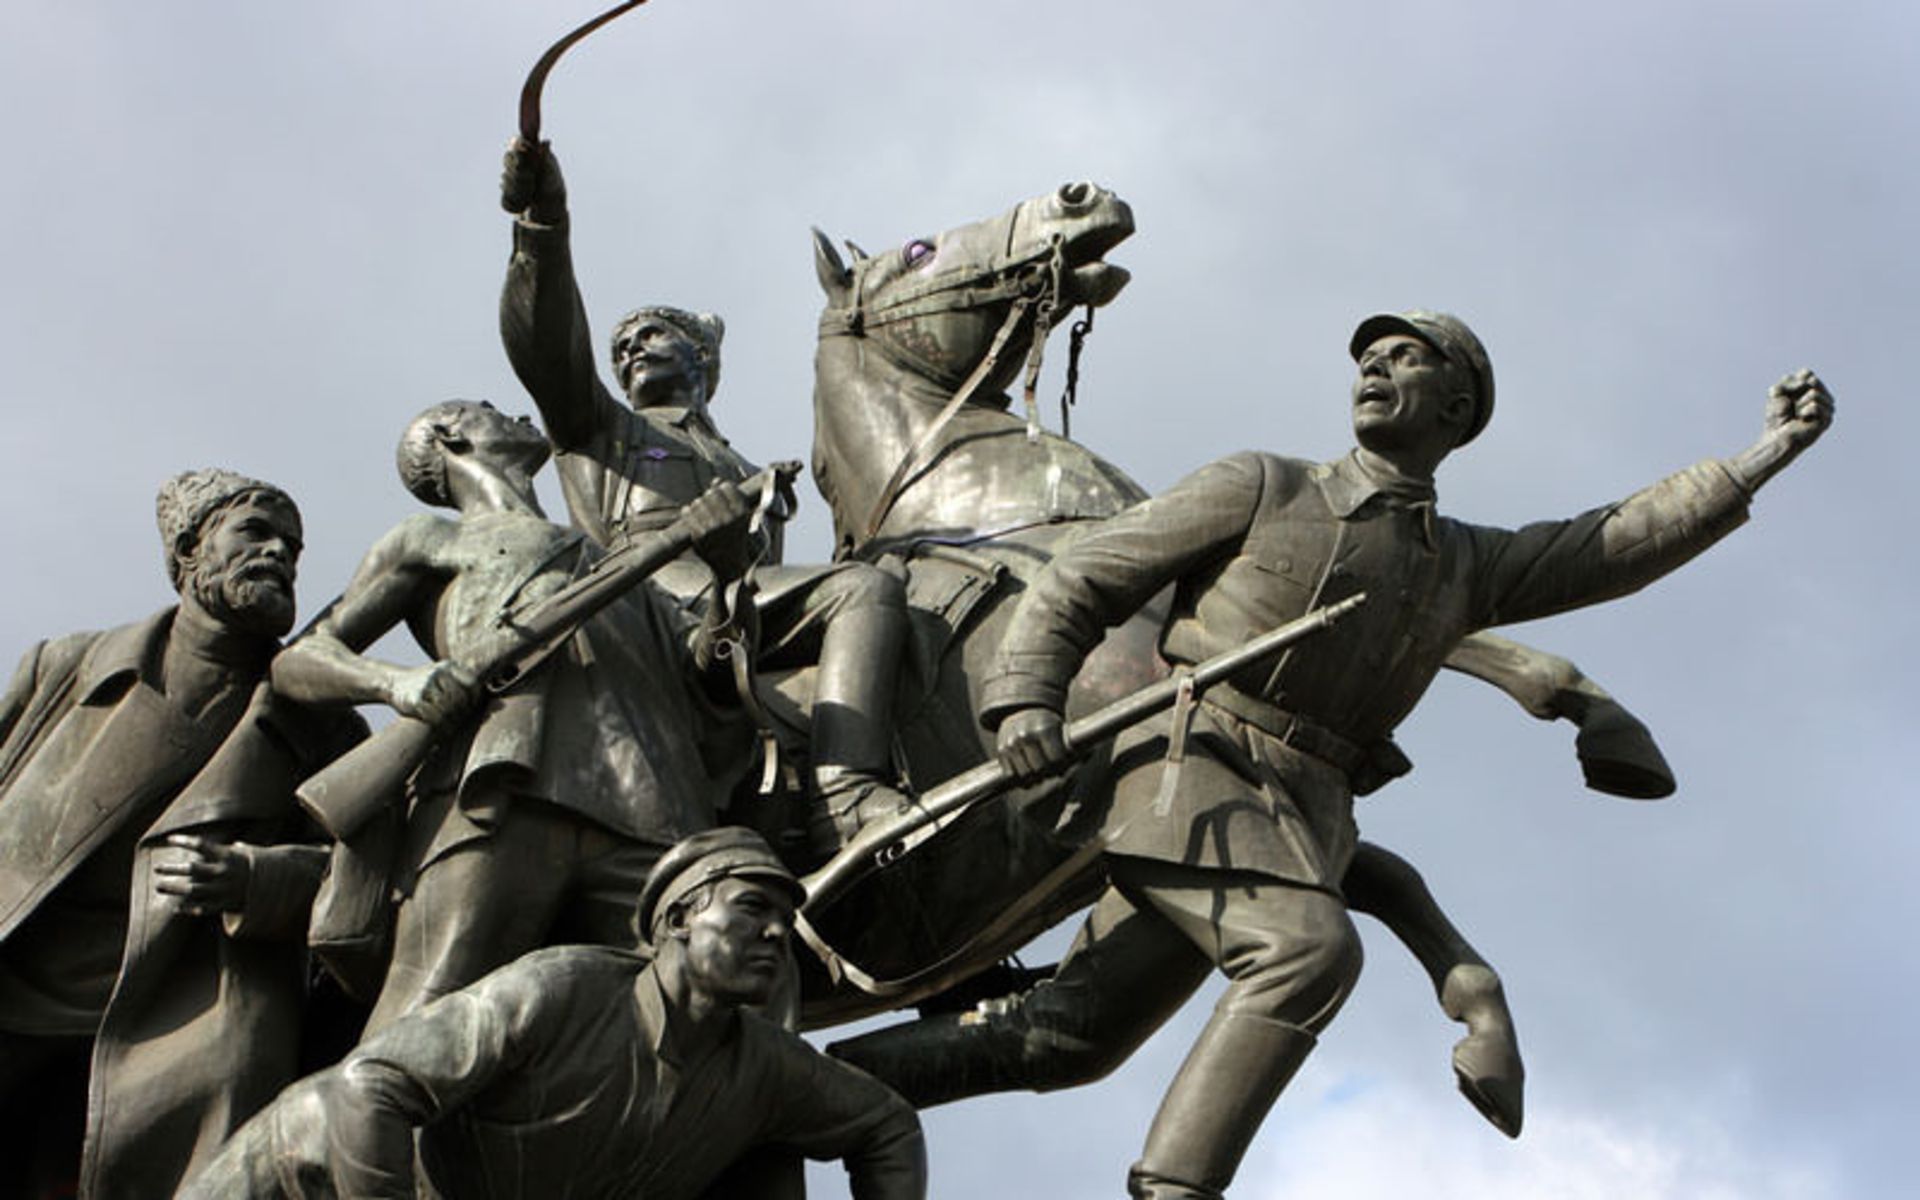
(545, 810)
(627, 468)
(1231, 830)
(155, 872)
(153, 884)
(598, 1071)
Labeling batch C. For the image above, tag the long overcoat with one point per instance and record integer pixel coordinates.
(202, 1024)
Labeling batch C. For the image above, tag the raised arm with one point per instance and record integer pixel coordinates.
(1553, 566)
(543, 323)
(397, 581)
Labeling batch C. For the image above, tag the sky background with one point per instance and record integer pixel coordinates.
(263, 236)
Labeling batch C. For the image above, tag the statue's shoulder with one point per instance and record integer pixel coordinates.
(546, 985)
(554, 963)
(1272, 477)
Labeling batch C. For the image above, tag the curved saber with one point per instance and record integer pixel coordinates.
(537, 78)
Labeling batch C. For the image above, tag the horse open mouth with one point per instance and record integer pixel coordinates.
(1096, 283)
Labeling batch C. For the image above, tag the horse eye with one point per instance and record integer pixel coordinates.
(914, 251)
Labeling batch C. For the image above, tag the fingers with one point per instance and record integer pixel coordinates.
(523, 172)
(207, 876)
(1800, 406)
(438, 693)
(1033, 744)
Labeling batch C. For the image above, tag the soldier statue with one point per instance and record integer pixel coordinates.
(594, 1072)
(1232, 823)
(627, 467)
(538, 819)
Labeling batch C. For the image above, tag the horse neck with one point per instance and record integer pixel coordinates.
(868, 414)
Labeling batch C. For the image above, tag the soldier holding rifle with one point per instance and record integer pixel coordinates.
(1233, 824)
(539, 820)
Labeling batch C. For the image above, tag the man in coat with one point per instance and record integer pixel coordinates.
(1232, 822)
(151, 918)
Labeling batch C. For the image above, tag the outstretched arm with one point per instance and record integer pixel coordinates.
(397, 581)
(1553, 566)
(543, 323)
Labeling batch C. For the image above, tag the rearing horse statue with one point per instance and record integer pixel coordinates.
(922, 462)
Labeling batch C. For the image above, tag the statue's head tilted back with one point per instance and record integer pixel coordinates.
(1450, 336)
(659, 351)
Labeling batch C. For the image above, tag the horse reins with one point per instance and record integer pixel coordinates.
(1033, 284)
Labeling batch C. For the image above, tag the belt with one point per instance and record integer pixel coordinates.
(1289, 729)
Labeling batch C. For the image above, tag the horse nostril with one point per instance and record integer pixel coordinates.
(1074, 196)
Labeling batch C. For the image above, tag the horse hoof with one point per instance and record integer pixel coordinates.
(1486, 1062)
(1488, 1069)
(1619, 756)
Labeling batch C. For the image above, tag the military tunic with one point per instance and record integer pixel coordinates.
(1255, 540)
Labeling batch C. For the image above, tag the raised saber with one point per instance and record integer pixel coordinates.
(885, 840)
(537, 78)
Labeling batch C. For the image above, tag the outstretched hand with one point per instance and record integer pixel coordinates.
(209, 877)
(1033, 744)
(530, 181)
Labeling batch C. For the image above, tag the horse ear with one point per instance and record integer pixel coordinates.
(834, 276)
(859, 255)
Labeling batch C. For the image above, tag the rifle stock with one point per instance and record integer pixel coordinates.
(347, 792)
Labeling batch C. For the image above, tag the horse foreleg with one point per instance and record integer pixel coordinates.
(1486, 1062)
(1617, 752)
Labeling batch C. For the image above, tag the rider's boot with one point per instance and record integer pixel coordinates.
(1208, 1118)
(852, 734)
(935, 1060)
(1486, 1062)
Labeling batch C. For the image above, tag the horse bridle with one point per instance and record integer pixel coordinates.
(1033, 283)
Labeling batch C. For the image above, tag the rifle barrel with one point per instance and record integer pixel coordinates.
(879, 843)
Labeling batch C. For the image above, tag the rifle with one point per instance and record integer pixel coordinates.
(886, 840)
(349, 791)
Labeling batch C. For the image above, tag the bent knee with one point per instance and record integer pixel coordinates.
(863, 585)
(1301, 980)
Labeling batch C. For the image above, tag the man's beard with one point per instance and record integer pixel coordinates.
(247, 601)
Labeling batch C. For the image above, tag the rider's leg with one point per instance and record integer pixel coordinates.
(1617, 752)
(1486, 1062)
(1128, 971)
(1291, 956)
(858, 613)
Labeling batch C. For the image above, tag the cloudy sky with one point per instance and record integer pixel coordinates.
(264, 235)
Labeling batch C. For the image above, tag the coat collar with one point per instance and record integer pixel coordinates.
(1348, 485)
(130, 650)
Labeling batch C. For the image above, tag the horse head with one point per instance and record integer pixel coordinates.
(949, 318)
